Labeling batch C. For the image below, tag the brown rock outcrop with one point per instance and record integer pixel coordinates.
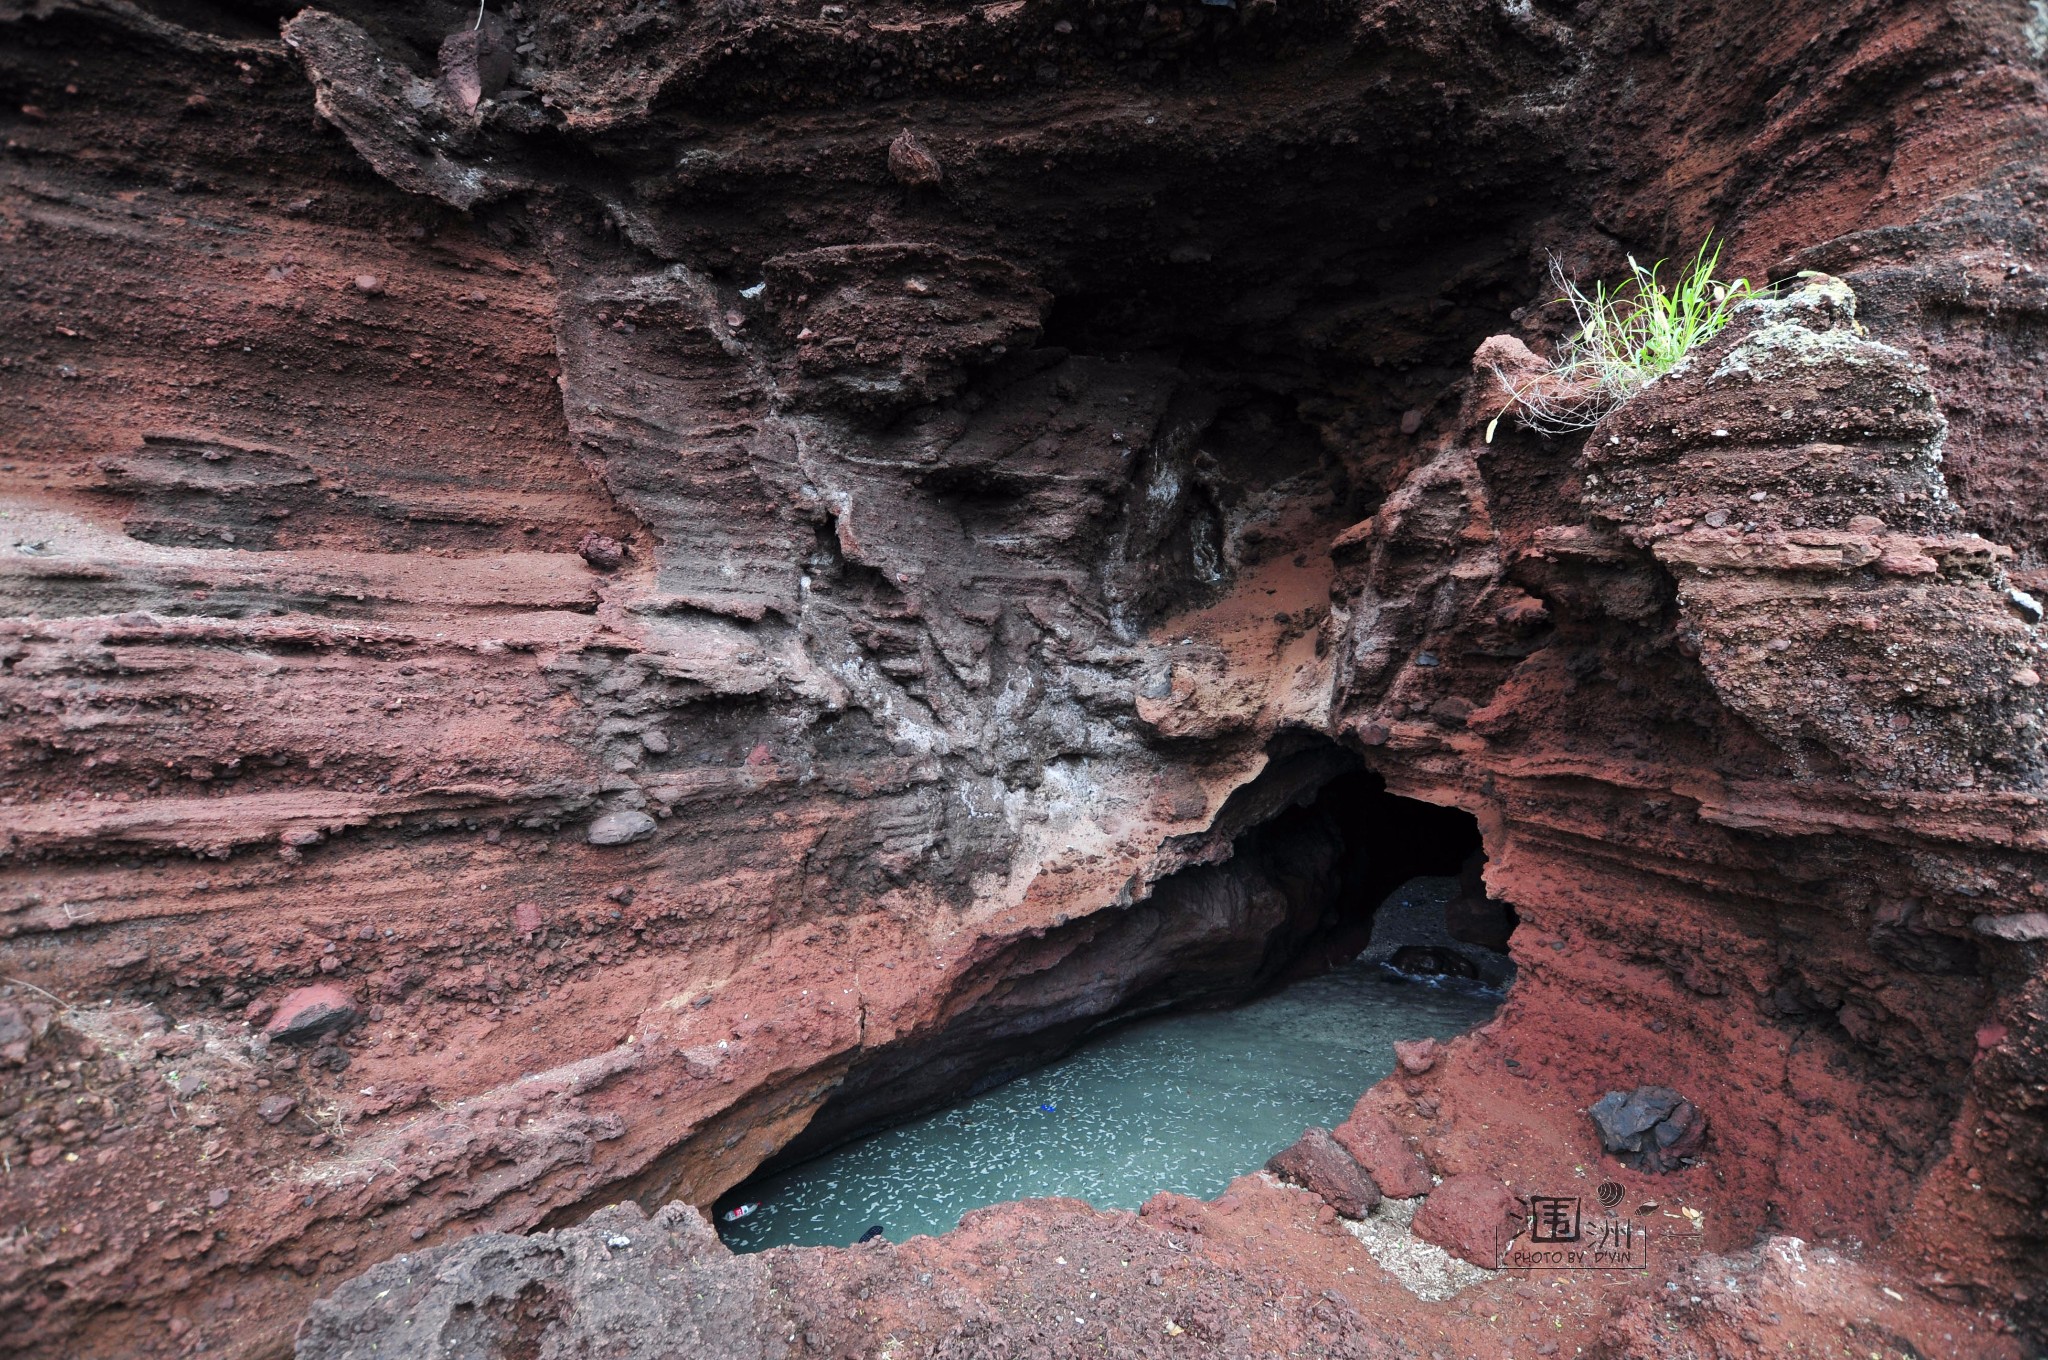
(1791, 483)
(1377, 1147)
(1318, 1163)
(1473, 1217)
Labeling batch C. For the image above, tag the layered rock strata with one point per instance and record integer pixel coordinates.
(707, 623)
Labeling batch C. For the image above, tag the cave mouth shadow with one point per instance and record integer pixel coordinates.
(1409, 890)
(1319, 845)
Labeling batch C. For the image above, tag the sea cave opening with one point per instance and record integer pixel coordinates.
(1174, 1044)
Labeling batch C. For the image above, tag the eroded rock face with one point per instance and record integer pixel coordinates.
(1791, 481)
(950, 584)
(649, 1286)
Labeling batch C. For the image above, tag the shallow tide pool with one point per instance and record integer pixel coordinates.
(1182, 1102)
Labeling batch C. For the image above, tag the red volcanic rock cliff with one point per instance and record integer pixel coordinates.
(598, 594)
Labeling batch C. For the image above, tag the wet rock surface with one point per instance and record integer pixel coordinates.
(1417, 931)
(1009, 528)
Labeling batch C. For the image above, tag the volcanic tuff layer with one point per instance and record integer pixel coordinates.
(720, 570)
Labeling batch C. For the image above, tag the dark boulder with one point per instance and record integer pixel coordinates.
(1652, 1127)
(1479, 921)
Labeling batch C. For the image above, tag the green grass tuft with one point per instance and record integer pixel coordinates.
(1627, 337)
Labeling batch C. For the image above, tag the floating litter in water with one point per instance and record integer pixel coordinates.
(1048, 1107)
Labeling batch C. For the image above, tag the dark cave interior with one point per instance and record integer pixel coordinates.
(1325, 845)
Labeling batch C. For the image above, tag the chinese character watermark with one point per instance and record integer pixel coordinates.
(1565, 1232)
(1553, 1219)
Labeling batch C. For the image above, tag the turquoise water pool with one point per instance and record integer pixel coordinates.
(1182, 1102)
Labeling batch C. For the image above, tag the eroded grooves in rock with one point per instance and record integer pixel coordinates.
(667, 559)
